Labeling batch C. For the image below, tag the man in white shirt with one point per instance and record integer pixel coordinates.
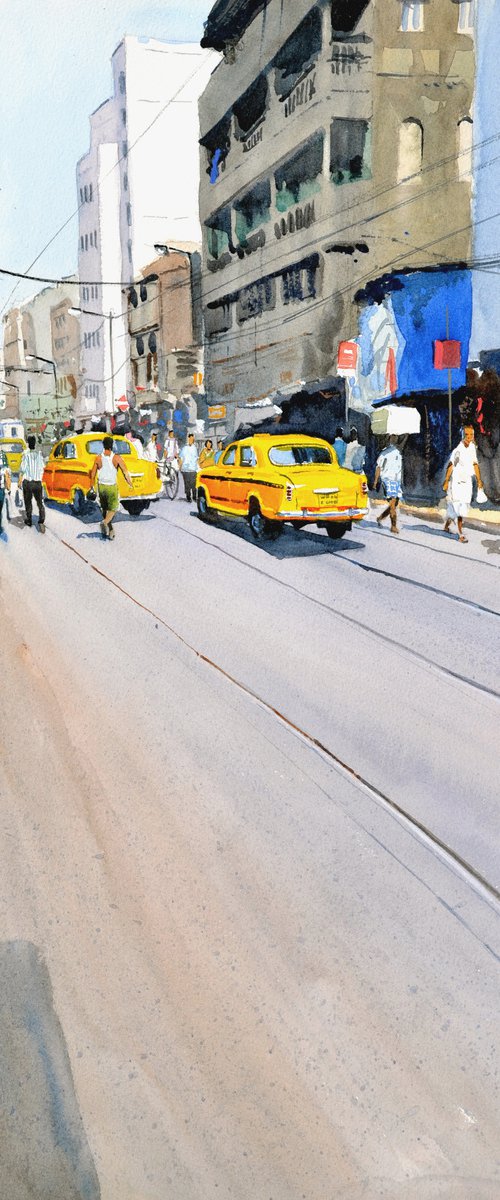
(189, 466)
(462, 467)
(30, 478)
(151, 451)
(389, 470)
(171, 449)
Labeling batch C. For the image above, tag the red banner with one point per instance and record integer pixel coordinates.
(447, 355)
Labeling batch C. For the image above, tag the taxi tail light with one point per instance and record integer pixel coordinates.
(158, 475)
(364, 487)
(289, 491)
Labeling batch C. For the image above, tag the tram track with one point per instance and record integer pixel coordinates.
(348, 619)
(455, 861)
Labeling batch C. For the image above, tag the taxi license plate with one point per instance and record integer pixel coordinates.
(327, 500)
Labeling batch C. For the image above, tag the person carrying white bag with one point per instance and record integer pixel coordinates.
(462, 466)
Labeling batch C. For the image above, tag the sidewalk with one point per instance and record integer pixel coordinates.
(485, 518)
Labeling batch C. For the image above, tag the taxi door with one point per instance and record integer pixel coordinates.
(240, 484)
(221, 482)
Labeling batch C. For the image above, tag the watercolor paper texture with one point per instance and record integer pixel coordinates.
(249, 564)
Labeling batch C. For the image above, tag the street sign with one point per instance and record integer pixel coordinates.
(347, 358)
(217, 412)
(447, 355)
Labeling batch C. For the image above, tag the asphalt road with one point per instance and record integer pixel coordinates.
(248, 863)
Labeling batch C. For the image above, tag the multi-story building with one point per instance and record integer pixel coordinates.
(137, 188)
(164, 321)
(336, 199)
(37, 370)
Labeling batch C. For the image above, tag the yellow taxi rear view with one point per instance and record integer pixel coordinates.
(66, 477)
(272, 479)
(13, 449)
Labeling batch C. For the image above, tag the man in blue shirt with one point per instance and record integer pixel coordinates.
(340, 446)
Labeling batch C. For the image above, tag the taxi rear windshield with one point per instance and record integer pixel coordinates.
(299, 456)
(12, 447)
(119, 447)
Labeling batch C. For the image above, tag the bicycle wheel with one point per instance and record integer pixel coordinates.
(172, 484)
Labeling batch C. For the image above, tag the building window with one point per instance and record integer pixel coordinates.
(253, 210)
(86, 241)
(300, 177)
(28, 387)
(90, 191)
(217, 144)
(124, 116)
(412, 16)
(143, 292)
(299, 282)
(124, 149)
(129, 250)
(350, 145)
(250, 110)
(121, 82)
(95, 237)
(256, 299)
(466, 16)
(140, 346)
(152, 343)
(81, 195)
(465, 128)
(91, 239)
(411, 148)
(81, 243)
(298, 55)
(129, 214)
(218, 233)
(125, 182)
(218, 317)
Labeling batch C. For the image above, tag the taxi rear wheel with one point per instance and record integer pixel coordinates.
(336, 530)
(79, 503)
(259, 525)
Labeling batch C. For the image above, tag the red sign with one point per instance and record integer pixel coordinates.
(347, 356)
(122, 404)
(446, 355)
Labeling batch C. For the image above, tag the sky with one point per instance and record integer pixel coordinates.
(56, 70)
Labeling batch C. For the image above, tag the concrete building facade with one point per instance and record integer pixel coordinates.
(164, 321)
(134, 192)
(39, 371)
(335, 174)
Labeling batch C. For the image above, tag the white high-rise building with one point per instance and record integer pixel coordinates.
(137, 188)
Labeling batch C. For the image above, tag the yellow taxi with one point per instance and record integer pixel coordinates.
(270, 479)
(13, 449)
(66, 477)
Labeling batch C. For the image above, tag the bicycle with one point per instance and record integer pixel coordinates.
(170, 479)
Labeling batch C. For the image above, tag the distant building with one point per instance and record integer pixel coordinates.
(336, 202)
(164, 322)
(136, 189)
(43, 375)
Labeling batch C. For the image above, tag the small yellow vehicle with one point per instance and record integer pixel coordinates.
(13, 449)
(271, 479)
(66, 477)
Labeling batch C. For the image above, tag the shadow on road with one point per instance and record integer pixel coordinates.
(292, 543)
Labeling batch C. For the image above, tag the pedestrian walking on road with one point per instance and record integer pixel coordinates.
(389, 470)
(151, 451)
(219, 451)
(189, 466)
(206, 458)
(5, 484)
(106, 467)
(171, 449)
(340, 446)
(462, 466)
(30, 479)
